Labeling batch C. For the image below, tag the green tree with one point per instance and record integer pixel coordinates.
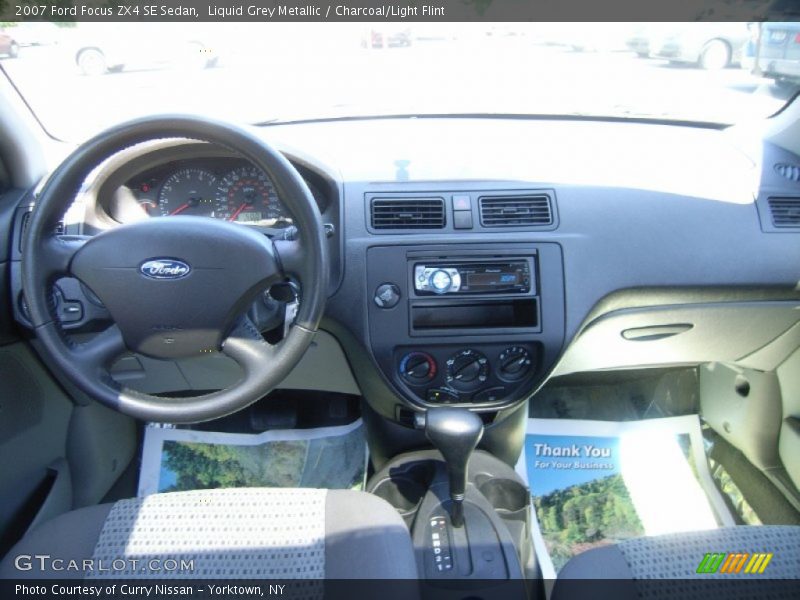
(206, 466)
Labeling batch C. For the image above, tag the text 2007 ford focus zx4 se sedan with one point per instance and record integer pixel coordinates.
(334, 312)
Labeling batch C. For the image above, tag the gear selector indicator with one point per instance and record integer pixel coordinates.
(440, 545)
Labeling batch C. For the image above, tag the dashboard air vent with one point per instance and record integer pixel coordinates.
(516, 211)
(789, 171)
(785, 211)
(407, 213)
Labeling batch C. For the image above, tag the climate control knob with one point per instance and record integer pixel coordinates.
(467, 369)
(417, 368)
(514, 363)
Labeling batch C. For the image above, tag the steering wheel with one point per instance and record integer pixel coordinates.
(175, 287)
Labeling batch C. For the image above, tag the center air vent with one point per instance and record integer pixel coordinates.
(785, 212)
(789, 171)
(407, 213)
(516, 211)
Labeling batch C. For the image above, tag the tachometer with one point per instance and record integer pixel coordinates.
(189, 192)
(246, 195)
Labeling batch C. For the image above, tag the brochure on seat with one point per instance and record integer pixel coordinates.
(599, 482)
(185, 459)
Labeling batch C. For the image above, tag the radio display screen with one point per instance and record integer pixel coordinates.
(492, 279)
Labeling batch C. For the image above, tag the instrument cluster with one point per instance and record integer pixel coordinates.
(219, 188)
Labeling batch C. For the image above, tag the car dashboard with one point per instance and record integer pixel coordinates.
(474, 258)
(227, 189)
(194, 179)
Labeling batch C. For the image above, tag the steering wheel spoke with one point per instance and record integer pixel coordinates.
(99, 353)
(291, 256)
(246, 346)
(57, 254)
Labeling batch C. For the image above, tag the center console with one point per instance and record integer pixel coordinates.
(468, 512)
(465, 324)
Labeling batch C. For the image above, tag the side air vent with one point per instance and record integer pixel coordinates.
(785, 211)
(789, 171)
(407, 213)
(516, 211)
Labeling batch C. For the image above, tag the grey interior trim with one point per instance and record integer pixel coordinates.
(783, 129)
(22, 145)
(789, 442)
(769, 357)
(744, 407)
(36, 413)
(59, 499)
(707, 332)
(63, 539)
(100, 445)
(352, 546)
(323, 367)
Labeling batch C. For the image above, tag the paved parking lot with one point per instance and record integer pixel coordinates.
(259, 77)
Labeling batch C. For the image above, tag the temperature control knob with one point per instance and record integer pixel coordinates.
(467, 369)
(514, 363)
(417, 368)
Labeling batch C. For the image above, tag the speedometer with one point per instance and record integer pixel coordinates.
(189, 192)
(246, 195)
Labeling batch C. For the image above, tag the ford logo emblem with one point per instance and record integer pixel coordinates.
(164, 268)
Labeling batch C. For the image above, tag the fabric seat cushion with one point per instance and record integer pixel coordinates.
(257, 533)
(640, 566)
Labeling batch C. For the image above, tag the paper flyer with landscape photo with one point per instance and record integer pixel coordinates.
(593, 483)
(579, 495)
(184, 459)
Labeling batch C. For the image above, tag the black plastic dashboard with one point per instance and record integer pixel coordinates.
(485, 348)
(531, 240)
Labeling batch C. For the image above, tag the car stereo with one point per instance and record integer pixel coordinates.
(493, 277)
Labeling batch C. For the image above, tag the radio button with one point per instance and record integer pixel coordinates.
(440, 281)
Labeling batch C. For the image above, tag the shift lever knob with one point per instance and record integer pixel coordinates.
(455, 432)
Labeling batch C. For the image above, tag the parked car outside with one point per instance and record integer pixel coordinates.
(386, 36)
(777, 46)
(8, 45)
(639, 43)
(37, 33)
(100, 48)
(710, 46)
(647, 38)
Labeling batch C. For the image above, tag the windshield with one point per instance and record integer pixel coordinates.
(79, 78)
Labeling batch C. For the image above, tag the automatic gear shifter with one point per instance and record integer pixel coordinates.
(455, 432)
